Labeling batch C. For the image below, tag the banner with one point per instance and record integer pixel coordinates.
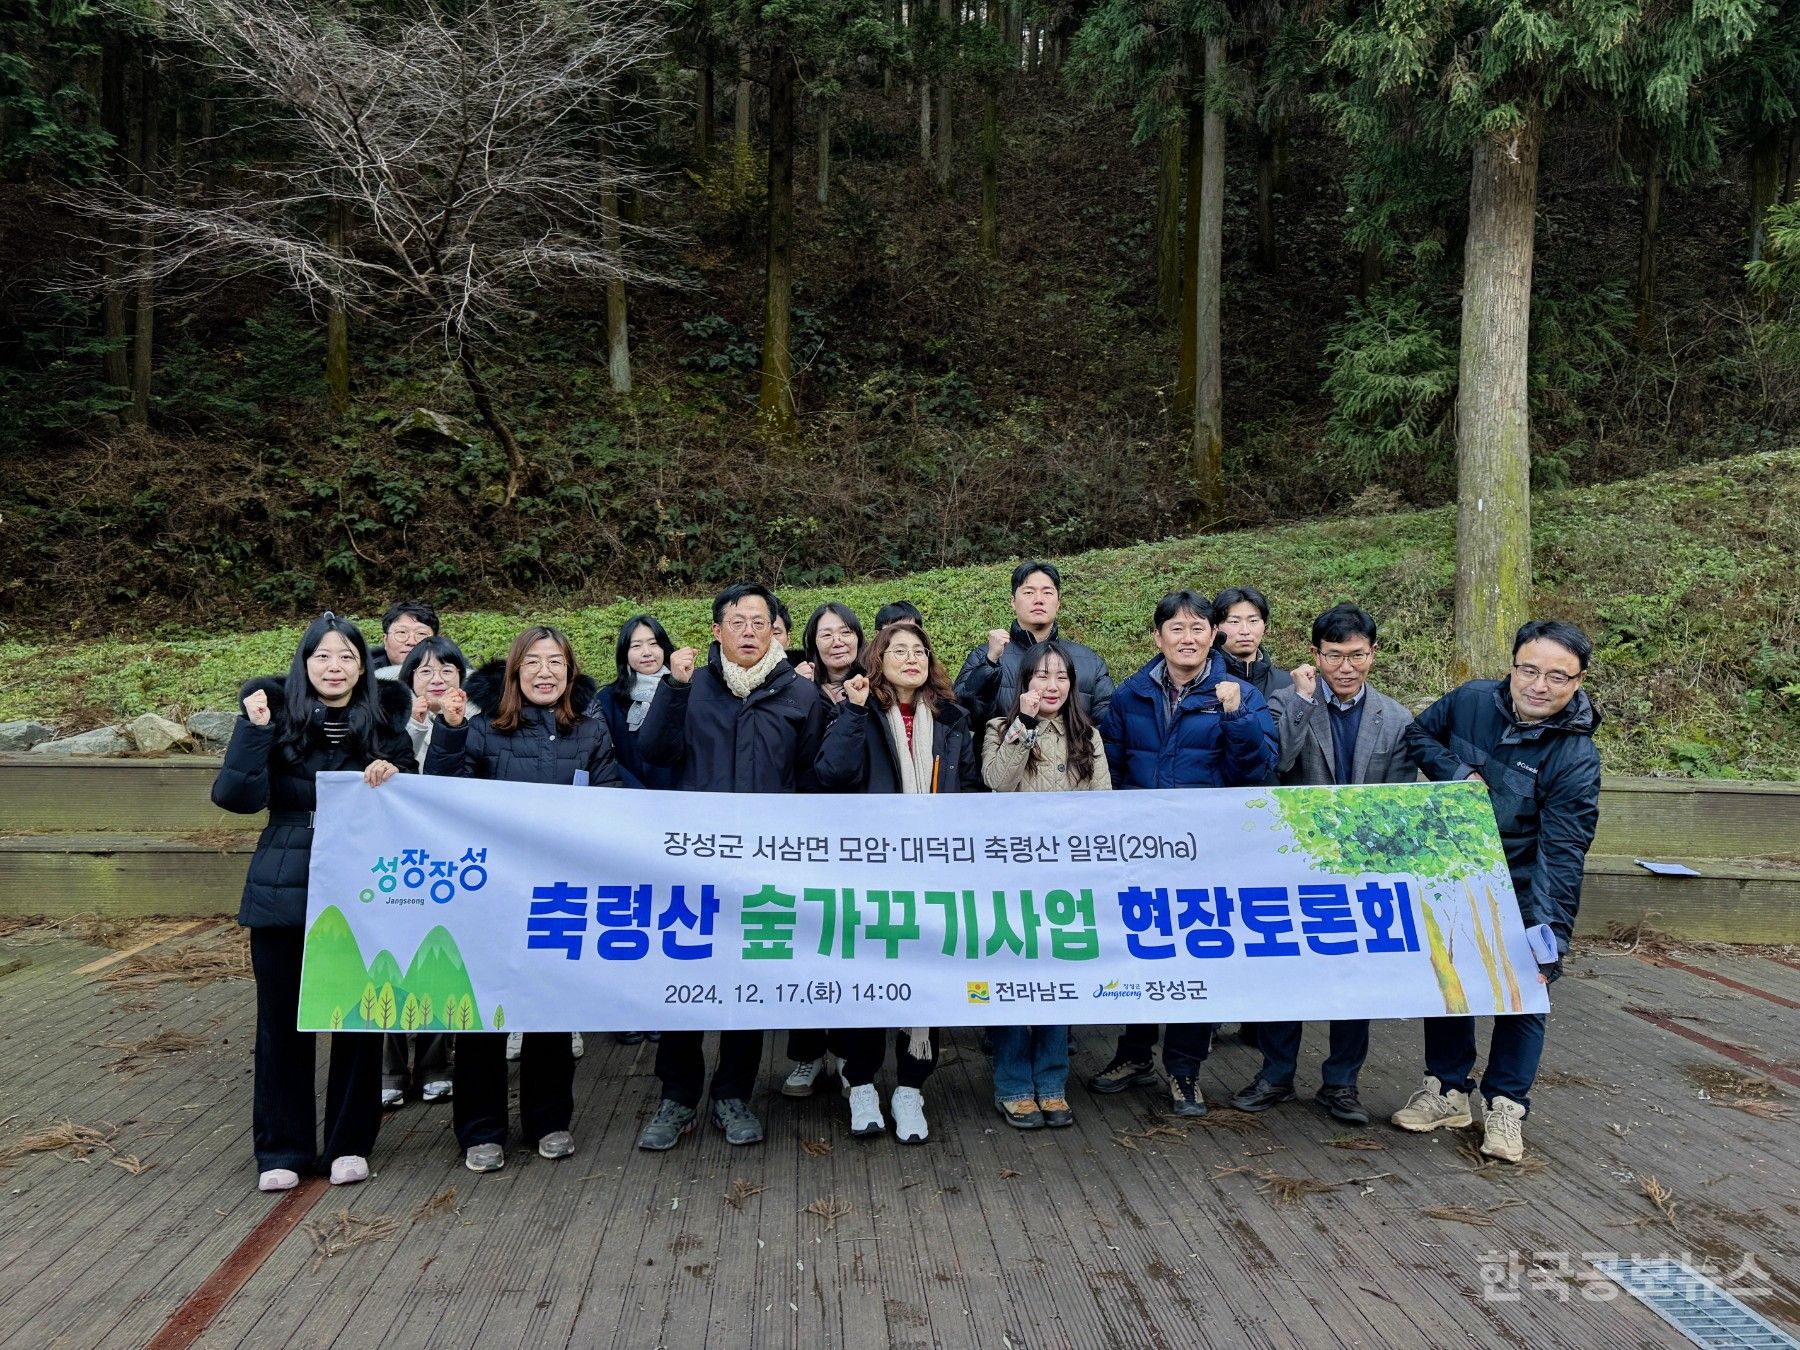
(451, 904)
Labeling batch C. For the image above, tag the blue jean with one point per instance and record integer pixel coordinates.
(1280, 1044)
(1513, 1054)
(1030, 1062)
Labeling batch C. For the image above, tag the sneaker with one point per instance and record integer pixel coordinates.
(577, 1046)
(1431, 1106)
(1503, 1126)
(392, 1098)
(515, 1043)
(908, 1105)
(438, 1090)
(1022, 1114)
(1185, 1097)
(802, 1078)
(671, 1121)
(484, 1158)
(734, 1116)
(1056, 1112)
(556, 1144)
(348, 1170)
(1261, 1094)
(1341, 1101)
(278, 1179)
(654, 1037)
(629, 1037)
(1121, 1074)
(865, 1111)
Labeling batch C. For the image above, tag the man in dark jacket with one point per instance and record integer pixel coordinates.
(1336, 728)
(404, 625)
(990, 676)
(1529, 739)
(1179, 722)
(743, 722)
(1240, 616)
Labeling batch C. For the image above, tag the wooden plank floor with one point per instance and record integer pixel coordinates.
(983, 1237)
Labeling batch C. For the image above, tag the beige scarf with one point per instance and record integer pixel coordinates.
(918, 774)
(744, 681)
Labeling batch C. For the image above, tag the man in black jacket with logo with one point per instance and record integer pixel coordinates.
(990, 676)
(1529, 739)
(743, 722)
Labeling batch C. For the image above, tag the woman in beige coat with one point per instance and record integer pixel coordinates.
(1045, 743)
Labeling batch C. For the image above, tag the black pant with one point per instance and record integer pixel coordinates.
(865, 1047)
(1137, 1042)
(546, 1087)
(807, 1044)
(429, 1058)
(681, 1064)
(282, 1116)
(1185, 1045)
(1280, 1042)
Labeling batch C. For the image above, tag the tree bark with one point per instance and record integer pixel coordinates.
(337, 317)
(1765, 184)
(143, 336)
(990, 172)
(1790, 191)
(741, 128)
(115, 364)
(775, 399)
(516, 469)
(1034, 35)
(925, 120)
(1368, 269)
(1209, 438)
(1168, 226)
(1649, 232)
(1493, 413)
(618, 331)
(1265, 201)
(824, 153)
(703, 113)
(1184, 377)
(945, 112)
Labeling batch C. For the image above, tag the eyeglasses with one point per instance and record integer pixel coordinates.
(907, 653)
(738, 627)
(1556, 679)
(1336, 659)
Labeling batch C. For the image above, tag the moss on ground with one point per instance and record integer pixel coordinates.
(1688, 580)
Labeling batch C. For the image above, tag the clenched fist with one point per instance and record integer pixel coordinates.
(1231, 695)
(1029, 703)
(997, 640)
(856, 689)
(1306, 681)
(256, 708)
(681, 665)
(456, 708)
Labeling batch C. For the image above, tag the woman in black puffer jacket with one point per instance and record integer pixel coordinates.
(537, 733)
(326, 715)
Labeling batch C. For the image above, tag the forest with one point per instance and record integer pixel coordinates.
(313, 302)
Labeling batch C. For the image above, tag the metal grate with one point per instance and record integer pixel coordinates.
(1694, 1305)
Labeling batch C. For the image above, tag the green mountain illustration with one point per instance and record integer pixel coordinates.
(334, 974)
(437, 972)
(384, 969)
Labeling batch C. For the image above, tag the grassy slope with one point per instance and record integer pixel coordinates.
(1688, 581)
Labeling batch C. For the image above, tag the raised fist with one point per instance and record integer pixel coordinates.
(1306, 681)
(456, 707)
(681, 665)
(256, 708)
(422, 708)
(997, 640)
(804, 670)
(1231, 695)
(856, 689)
(1029, 703)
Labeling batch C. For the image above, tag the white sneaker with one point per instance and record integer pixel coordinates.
(348, 1170)
(515, 1043)
(802, 1078)
(438, 1089)
(1431, 1107)
(908, 1105)
(865, 1111)
(278, 1179)
(1504, 1130)
(577, 1046)
(393, 1097)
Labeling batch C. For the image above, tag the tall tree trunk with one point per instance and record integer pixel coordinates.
(1790, 191)
(703, 113)
(1184, 378)
(1265, 200)
(741, 128)
(945, 111)
(516, 468)
(1649, 230)
(1034, 34)
(1493, 413)
(1168, 225)
(209, 154)
(114, 57)
(1209, 437)
(337, 317)
(990, 171)
(925, 120)
(618, 330)
(775, 399)
(1765, 184)
(824, 153)
(143, 336)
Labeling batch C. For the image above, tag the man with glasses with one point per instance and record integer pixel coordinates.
(1335, 728)
(1529, 740)
(742, 722)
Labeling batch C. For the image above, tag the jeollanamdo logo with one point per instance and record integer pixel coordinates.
(978, 991)
(1119, 989)
(412, 876)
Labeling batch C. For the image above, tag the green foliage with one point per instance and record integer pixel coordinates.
(386, 1014)
(1435, 835)
(1392, 381)
(1777, 273)
(48, 120)
(499, 1018)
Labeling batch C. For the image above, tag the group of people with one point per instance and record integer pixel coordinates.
(1031, 710)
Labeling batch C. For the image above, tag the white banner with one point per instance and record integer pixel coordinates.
(450, 904)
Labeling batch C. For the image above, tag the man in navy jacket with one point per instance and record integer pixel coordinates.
(1180, 723)
(1530, 740)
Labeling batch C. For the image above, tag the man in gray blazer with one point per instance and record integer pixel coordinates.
(1335, 728)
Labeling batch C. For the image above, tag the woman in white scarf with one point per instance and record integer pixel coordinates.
(900, 730)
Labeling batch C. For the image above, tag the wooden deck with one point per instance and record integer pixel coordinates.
(1112, 1234)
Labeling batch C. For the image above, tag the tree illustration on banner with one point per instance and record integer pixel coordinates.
(1437, 836)
(337, 991)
